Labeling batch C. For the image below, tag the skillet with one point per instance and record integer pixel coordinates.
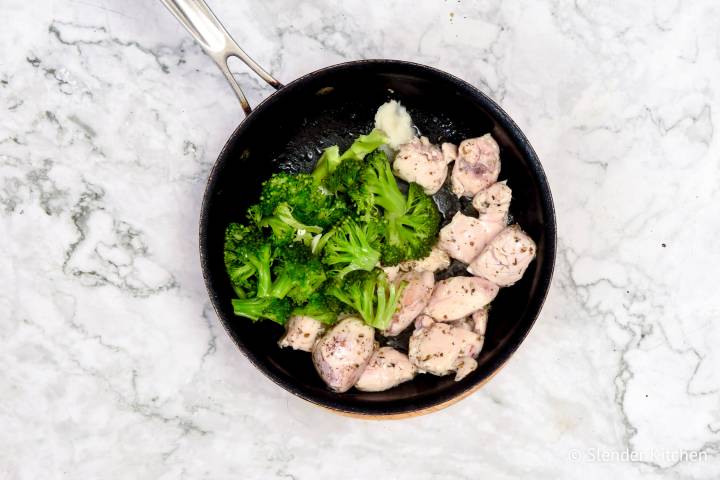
(331, 106)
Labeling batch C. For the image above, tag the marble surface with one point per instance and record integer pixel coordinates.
(112, 363)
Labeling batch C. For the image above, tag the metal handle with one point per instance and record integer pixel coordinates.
(206, 29)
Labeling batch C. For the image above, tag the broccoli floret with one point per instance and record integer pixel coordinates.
(296, 274)
(411, 235)
(248, 257)
(260, 271)
(331, 158)
(275, 309)
(238, 269)
(411, 223)
(352, 246)
(285, 227)
(311, 204)
(320, 306)
(370, 294)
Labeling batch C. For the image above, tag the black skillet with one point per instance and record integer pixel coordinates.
(287, 131)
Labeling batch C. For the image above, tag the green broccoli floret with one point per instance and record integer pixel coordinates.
(352, 246)
(238, 269)
(311, 203)
(248, 257)
(275, 309)
(331, 158)
(370, 294)
(285, 227)
(411, 235)
(411, 222)
(261, 272)
(296, 274)
(320, 306)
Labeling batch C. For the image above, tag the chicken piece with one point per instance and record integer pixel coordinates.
(301, 332)
(342, 354)
(440, 348)
(391, 272)
(437, 259)
(449, 152)
(504, 260)
(387, 368)
(412, 301)
(465, 237)
(423, 321)
(479, 321)
(477, 165)
(493, 203)
(457, 297)
(423, 163)
(464, 366)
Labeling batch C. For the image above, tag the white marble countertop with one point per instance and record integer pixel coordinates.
(112, 363)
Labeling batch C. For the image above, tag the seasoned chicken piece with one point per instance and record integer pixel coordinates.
(342, 354)
(479, 321)
(423, 321)
(438, 259)
(449, 152)
(423, 163)
(387, 368)
(412, 301)
(504, 260)
(301, 332)
(440, 348)
(391, 272)
(493, 203)
(476, 323)
(465, 237)
(477, 165)
(464, 366)
(457, 297)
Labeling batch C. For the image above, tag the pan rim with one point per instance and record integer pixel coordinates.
(436, 402)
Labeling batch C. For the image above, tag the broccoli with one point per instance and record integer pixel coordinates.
(370, 294)
(411, 223)
(285, 227)
(350, 246)
(331, 158)
(259, 270)
(240, 272)
(411, 236)
(320, 306)
(275, 309)
(296, 274)
(248, 257)
(311, 204)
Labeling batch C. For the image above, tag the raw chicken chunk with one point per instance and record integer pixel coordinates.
(301, 332)
(477, 166)
(504, 260)
(465, 237)
(342, 354)
(457, 297)
(493, 203)
(423, 163)
(440, 348)
(413, 300)
(387, 368)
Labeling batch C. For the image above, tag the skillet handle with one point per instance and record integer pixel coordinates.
(206, 29)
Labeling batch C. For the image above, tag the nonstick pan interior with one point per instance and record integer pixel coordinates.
(332, 106)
